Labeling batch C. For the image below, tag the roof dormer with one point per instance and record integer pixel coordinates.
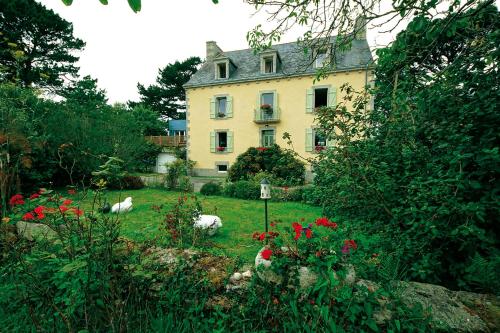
(223, 67)
(269, 62)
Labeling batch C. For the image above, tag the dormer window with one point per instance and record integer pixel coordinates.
(322, 57)
(222, 69)
(268, 62)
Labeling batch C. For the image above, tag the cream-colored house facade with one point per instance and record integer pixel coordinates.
(240, 99)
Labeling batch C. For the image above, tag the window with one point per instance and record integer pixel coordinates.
(319, 141)
(179, 133)
(221, 142)
(222, 168)
(267, 99)
(267, 138)
(221, 105)
(222, 70)
(321, 58)
(269, 65)
(320, 97)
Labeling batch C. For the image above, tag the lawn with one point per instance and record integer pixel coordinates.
(240, 218)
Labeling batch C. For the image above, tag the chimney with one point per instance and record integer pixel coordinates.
(360, 27)
(212, 50)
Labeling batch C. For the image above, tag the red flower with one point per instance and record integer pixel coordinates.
(349, 244)
(255, 235)
(28, 217)
(40, 216)
(324, 222)
(308, 233)
(261, 148)
(17, 199)
(67, 202)
(266, 254)
(34, 196)
(71, 192)
(298, 230)
(221, 148)
(77, 211)
(262, 236)
(39, 210)
(63, 209)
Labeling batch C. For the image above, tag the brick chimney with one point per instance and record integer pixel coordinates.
(360, 27)
(212, 50)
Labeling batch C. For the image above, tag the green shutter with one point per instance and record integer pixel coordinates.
(275, 103)
(309, 139)
(229, 106)
(212, 142)
(309, 100)
(230, 141)
(212, 108)
(332, 97)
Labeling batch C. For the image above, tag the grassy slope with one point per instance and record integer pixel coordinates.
(240, 218)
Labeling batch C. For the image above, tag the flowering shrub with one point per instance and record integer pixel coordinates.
(321, 246)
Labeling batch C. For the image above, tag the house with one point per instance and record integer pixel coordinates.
(177, 127)
(240, 99)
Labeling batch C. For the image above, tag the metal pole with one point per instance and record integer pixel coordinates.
(265, 203)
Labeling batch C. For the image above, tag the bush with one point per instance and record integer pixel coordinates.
(243, 189)
(211, 189)
(176, 173)
(284, 168)
(132, 182)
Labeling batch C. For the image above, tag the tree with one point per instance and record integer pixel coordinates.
(167, 96)
(422, 169)
(86, 92)
(37, 47)
(135, 5)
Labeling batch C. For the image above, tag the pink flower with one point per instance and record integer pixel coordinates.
(266, 254)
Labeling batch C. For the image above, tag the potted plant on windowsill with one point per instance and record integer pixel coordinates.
(319, 148)
(220, 149)
(300, 255)
(267, 108)
(221, 115)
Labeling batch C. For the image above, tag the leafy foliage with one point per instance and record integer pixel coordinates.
(422, 169)
(37, 46)
(282, 165)
(242, 189)
(211, 189)
(167, 96)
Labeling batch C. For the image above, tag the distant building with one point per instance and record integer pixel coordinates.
(177, 127)
(239, 99)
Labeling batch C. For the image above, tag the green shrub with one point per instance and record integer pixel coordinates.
(176, 173)
(211, 189)
(242, 189)
(184, 184)
(284, 168)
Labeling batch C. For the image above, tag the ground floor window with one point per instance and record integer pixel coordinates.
(222, 168)
(267, 137)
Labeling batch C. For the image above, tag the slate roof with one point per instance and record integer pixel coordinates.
(293, 62)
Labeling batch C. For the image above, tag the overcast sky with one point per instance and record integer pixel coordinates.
(123, 48)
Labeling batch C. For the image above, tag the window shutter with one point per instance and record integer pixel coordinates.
(332, 97)
(275, 103)
(309, 100)
(212, 142)
(212, 108)
(229, 106)
(230, 140)
(309, 139)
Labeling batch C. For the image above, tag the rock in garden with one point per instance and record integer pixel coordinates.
(122, 207)
(208, 222)
(32, 231)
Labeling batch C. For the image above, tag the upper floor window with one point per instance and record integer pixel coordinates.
(221, 105)
(222, 69)
(268, 62)
(320, 97)
(321, 57)
(267, 101)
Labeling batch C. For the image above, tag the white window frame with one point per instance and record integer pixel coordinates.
(266, 56)
(217, 110)
(326, 60)
(261, 134)
(217, 63)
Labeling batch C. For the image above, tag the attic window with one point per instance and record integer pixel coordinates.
(268, 63)
(221, 70)
(321, 59)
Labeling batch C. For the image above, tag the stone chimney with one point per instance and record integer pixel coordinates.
(360, 27)
(212, 50)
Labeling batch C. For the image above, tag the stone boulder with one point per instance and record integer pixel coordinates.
(33, 231)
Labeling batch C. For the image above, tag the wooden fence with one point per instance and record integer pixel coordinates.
(168, 141)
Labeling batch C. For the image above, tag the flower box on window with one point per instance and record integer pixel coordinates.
(262, 148)
(266, 108)
(221, 148)
(319, 148)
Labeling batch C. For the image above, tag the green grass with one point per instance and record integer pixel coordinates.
(240, 218)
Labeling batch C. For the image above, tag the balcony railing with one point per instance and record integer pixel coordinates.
(266, 116)
(167, 141)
